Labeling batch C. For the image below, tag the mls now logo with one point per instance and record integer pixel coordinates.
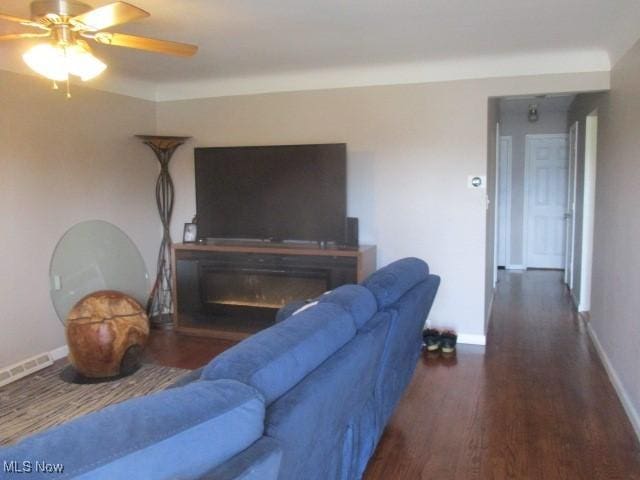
(28, 467)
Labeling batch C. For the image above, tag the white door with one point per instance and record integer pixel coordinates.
(546, 200)
(571, 206)
(504, 202)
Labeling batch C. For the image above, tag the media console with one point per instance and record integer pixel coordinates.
(231, 291)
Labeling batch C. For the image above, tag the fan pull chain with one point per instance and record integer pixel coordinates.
(55, 86)
(64, 49)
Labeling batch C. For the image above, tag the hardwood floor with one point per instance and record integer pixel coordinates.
(535, 404)
(183, 351)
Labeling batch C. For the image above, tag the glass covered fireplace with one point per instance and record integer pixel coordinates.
(223, 290)
(235, 295)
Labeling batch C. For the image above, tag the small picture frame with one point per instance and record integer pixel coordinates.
(190, 234)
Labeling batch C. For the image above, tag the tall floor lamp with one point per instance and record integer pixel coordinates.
(160, 304)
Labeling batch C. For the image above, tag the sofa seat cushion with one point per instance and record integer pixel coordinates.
(391, 282)
(355, 299)
(276, 359)
(177, 433)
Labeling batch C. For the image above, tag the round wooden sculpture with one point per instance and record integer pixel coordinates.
(106, 332)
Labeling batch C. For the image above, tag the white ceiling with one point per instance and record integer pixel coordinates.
(279, 43)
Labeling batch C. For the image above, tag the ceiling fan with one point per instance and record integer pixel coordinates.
(65, 25)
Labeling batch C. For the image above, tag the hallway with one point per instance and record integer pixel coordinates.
(537, 405)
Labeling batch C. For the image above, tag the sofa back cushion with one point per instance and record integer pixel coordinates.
(276, 359)
(289, 309)
(355, 299)
(314, 421)
(391, 282)
(178, 433)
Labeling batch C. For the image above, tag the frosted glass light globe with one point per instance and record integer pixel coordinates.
(57, 62)
(47, 60)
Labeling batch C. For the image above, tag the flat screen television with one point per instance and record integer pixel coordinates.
(286, 192)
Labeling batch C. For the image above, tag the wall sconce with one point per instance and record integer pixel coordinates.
(532, 114)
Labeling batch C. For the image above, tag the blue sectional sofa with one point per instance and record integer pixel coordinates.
(305, 399)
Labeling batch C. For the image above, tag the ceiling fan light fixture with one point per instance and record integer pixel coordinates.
(82, 63)
(56, 62)
(47, 60)
(65, 24)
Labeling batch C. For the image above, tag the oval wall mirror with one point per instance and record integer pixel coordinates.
(91, 256)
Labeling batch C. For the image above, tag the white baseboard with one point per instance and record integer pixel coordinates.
(632, 413)
(575, 303)
(467, 339)
(581, 305)
(31, 365)
(515, 267)
(59, 352)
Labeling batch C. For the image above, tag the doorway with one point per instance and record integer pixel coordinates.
(588, 210)
(503, 239)
(546, 187)
(533, 130)
(570, 216)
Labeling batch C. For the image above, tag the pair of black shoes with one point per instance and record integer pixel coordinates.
(443, 340)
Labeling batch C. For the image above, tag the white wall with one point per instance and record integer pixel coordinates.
(615, 302)
(410, 150)
(517, 126)
(62, 162)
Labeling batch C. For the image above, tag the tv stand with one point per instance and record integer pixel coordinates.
(231, 290)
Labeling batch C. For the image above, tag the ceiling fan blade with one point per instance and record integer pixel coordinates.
(11, 18)
(108, 16)
(144, 43)
(19, 36)
(22, 21)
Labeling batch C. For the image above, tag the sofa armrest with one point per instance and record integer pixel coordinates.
(261, 461)
(177, 433)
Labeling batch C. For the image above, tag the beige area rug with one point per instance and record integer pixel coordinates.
(43, 400)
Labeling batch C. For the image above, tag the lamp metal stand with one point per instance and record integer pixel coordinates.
(160, 304)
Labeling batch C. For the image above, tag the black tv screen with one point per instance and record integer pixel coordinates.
(289, 192)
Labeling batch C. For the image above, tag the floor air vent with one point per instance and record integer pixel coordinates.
(24, 368)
